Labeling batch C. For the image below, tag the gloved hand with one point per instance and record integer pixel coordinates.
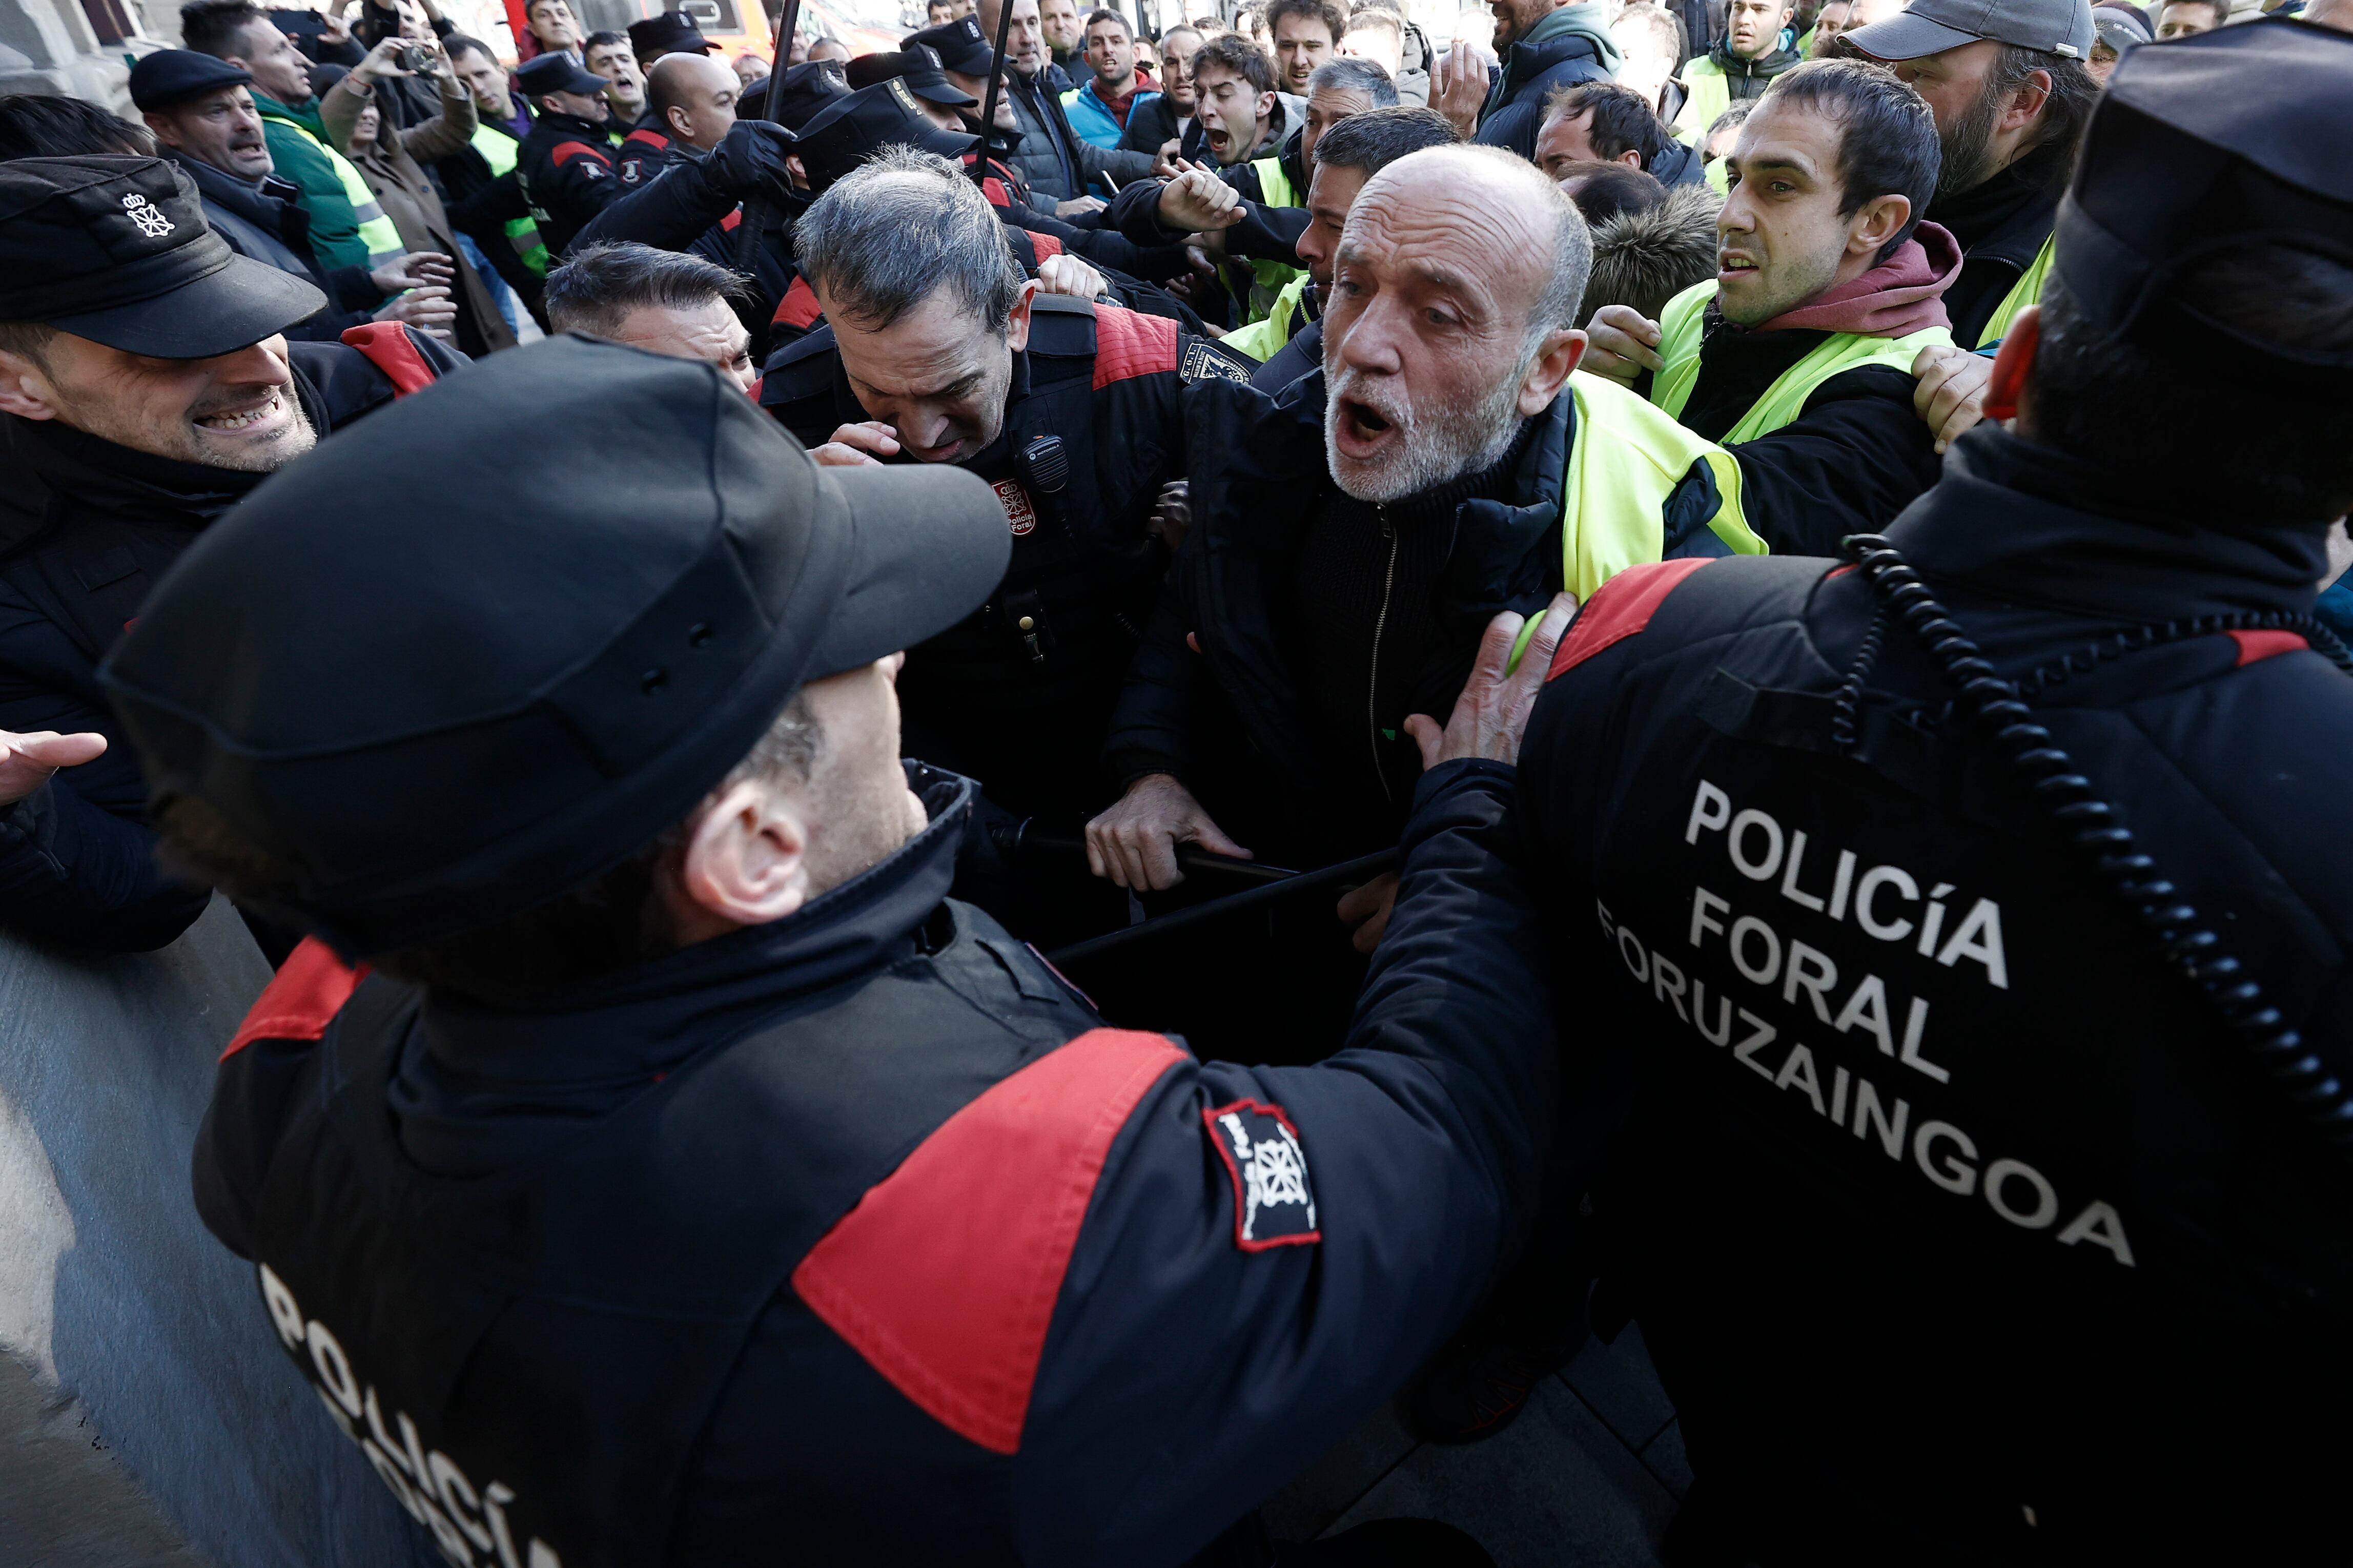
(750, 161)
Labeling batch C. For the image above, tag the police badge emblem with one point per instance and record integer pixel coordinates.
(1204, 360)
(152, 223)
(1274, 1203)
(1020, 514)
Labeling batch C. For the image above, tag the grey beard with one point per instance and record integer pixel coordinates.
(1435, 451)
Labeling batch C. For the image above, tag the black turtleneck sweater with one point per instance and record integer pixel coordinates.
(2000, 224)
(1368, 628)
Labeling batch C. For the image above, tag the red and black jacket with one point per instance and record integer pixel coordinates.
(568, 175)
(863, 1231)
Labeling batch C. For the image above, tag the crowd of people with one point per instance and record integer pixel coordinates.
(502, 523)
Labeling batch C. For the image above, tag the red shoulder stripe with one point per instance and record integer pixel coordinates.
(303, 999)
(798, 308)
(654, 139)
(1619, 608)
(994, 189)
(945, 1275)
(731, 220)
(567, 151)
(2257, 646)
(1129, 344)
(1046, 245)
(389, 348)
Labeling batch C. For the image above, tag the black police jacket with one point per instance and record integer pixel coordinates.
(1958, 1226)
(87, 529)
(1264, 233)
(565, 167)
(860, 1232)
(1019, 693)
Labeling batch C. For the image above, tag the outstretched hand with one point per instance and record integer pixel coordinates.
(1492, 714)
(27, 761)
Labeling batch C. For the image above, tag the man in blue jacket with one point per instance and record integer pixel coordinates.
(689, 1174)
(1544, 45)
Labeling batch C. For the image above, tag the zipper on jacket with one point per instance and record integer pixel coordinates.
(1372, 679)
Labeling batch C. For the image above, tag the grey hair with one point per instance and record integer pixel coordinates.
(902, 226)
(1572, 242)
(1345, 73)
(598, 285)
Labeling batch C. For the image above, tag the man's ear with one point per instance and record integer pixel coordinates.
(2027, 101)
(1553, 363)
(165, 127)
(2015, 358)
(676, 115)
(745, 862)
(1017, 327)
(1267, 106)
(25, 391)
(1879, 221)
(797, 169)
(1630, 155)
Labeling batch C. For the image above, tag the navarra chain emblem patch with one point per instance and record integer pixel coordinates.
(1201, 360)
(1274, 1200)
(1020, 515)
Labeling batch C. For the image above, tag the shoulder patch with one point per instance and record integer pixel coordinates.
(1619, 608)
(945, 1275)
(798, 308)
(1129, 344)
(1043, 245)
(302, 1000)
(1206, 361)
(387, 345)
(2267, 643)
(654, 139)
(1274, 1200)
(564, 151)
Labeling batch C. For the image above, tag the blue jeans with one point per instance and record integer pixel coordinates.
(501, 295)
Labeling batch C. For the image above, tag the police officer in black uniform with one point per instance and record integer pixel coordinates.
(566, 165)
(689, 1176)
(1074, 411)
(1974, 913)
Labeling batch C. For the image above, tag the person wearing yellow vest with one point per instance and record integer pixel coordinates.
(1353, 536)
(1247, 127)
(485, 197)
(1799, 354)
(1737, 66)
(2009, 84)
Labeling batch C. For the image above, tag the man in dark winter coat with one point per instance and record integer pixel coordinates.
(130, 419)
(1972, 912)
(1600, 122)
(1545, 44)
(1058, 166)
(565, 165)
(203, 117)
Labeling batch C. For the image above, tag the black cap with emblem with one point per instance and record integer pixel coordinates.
(671, 33)
(808, 89)
(884, 115)
(455, 704)
(117, 250)
(556, 72)
(962, 46)
(919, 68)
(2210, 143)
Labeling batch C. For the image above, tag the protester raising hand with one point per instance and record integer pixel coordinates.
(1458, 87)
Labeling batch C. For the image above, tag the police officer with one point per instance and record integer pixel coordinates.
(146, 385)
(687, 1175)
(1974, 913)
(936, 350)
(566, 165)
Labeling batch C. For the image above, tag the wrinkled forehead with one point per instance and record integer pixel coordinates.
(1450, 223)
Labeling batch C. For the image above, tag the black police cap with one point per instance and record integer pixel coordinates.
(961, 44)
(671, 33)
(117, 250)
(808, 89)
(492, 640)
(846, 133)
(174, 76)
(2210, 143)
(918, 68)
(557, 71)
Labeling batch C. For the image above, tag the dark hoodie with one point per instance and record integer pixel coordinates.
(1857, 454)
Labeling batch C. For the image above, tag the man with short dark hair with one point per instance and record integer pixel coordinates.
(1543, 44)
(565, 165)
(553, 25)
(607, 53)
(1306, 33)
(1799, 356)
(1163, 125)
(1098, 108)
(2188, 19)
(1600, 122)
(2011, 93)
(1054, 162)
(1920, 1184)
(201, 112)
(1064, 34)
(935, 348)
(147, 387)
(1738, 66)
(664, 301)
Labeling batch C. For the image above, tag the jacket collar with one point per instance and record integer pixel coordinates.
(75, 468)
(2009, 216)
(625, 1032)
(2028, 524)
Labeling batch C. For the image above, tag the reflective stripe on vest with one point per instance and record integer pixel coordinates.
(1262, 340)
(376, 231)
(1682, 327)
(497, 150)
(1269, 279)
(2027, 290)
(1709, 95)
(1626, 460)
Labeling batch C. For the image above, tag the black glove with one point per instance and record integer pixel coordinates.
(749, 161)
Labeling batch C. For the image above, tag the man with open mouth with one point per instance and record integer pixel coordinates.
(146, 385)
